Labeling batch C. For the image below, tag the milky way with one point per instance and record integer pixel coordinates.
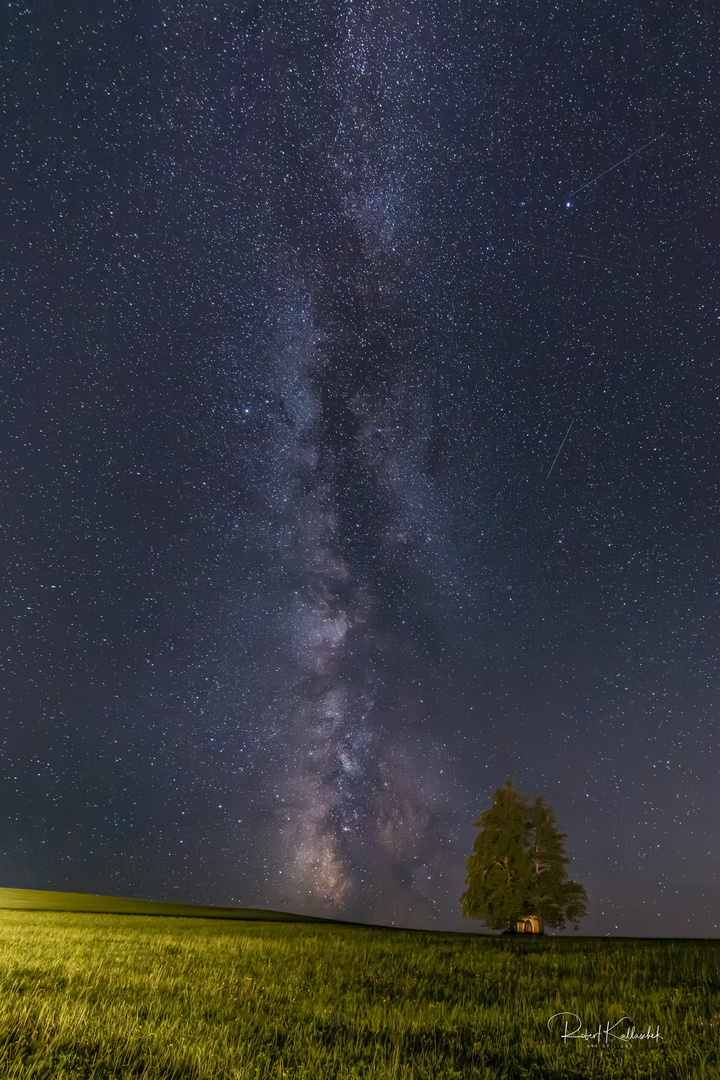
(347, 472)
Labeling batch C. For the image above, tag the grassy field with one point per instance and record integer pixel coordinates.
(44, 900)
(121, 996)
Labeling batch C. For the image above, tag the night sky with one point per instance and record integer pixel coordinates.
(359, 428)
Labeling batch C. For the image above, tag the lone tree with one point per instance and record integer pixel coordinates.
(517, 867)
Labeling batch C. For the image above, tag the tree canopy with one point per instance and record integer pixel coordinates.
(518, 866)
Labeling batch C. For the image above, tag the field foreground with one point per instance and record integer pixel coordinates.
(130, 996)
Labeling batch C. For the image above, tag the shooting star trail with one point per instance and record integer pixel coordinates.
(560, 450)
(617, 164)
(579, 255)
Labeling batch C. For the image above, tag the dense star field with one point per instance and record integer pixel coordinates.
(359, 431)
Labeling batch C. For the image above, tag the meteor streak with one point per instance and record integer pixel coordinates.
(560, 450)
(616, 165)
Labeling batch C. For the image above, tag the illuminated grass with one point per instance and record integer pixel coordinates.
(100, 995)
(44, 900)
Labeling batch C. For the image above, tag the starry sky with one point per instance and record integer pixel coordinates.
(359, 436)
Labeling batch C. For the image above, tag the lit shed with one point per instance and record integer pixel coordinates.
(531, 924)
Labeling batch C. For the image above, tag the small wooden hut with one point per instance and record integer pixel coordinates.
(531, 924)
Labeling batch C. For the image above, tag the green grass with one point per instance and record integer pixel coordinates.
(129, 996)
(43, 900)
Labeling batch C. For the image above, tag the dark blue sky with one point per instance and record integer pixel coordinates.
(359, 432)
